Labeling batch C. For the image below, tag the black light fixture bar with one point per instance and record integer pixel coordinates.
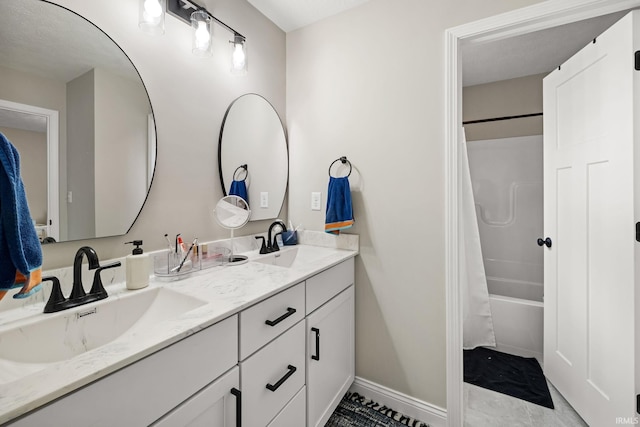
(182, 9)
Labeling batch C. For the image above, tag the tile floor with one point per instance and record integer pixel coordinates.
(486, 408)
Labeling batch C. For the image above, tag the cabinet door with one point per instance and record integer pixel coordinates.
(330, 356)
(215, 405)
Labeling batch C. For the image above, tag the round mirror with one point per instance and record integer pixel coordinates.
(232, 212)
(252, 155)
(75, 107)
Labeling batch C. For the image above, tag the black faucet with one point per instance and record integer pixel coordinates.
(57, 301)
(272, 245)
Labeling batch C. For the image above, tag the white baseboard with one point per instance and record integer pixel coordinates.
(407, 405)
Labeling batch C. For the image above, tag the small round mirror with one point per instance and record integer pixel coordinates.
(233, 212)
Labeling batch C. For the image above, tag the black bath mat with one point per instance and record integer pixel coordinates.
(516, 376)
(356, 410)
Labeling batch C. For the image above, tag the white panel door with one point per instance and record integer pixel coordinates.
(589, 216)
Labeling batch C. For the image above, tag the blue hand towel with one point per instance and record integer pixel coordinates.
(339, 207)
(239, 188)
(20, 251)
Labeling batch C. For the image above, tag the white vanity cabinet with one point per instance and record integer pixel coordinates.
(143, 392)
(286, 361)
(330, 340)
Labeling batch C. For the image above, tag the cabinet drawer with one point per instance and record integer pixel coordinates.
(139, 394)
(294, 414)
(273, 365)
(324, 286)
(268, 319)
(214, 405)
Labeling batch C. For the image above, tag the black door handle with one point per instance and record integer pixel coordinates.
(290, 312)
(238, 394)
(274, 387)
(317, 355)
(546, 242)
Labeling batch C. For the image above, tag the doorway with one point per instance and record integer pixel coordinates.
(32, 119)
(536, 18)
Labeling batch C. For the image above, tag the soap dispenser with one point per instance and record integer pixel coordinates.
(137, 265)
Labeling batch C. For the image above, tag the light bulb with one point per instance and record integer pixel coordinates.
(152, 10)
(202, 36)
(238, 57)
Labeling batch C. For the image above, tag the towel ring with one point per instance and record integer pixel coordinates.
(246, 172)
(343, 160)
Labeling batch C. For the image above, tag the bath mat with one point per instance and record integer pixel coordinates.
(356, 410)
(515, 376)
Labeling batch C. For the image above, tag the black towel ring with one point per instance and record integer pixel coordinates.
(343, 160)
(246, 172)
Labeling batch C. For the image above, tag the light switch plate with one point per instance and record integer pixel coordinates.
(264, 199)
(316, 199)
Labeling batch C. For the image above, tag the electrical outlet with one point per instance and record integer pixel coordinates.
(316, 198)
(264, 199)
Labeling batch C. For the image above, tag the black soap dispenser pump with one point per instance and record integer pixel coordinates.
(137, 266)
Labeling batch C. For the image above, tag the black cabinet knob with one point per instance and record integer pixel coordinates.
(546, 242)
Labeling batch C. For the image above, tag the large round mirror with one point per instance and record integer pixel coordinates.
(76, 109)
(252, 155)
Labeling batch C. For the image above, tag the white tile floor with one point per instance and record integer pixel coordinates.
(486, 408)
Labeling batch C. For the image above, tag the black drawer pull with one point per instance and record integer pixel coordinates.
(238, 394)
(274, 387)
(317, 355)
(290, 312)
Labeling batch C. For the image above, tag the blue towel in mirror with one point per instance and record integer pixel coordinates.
(239, 188)
(20, 251)
(339, 207)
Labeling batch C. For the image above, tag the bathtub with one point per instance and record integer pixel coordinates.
(518, 317)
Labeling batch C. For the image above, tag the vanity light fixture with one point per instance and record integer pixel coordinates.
(239, 55)
(201, 20)
(201, 23)
(151, 16)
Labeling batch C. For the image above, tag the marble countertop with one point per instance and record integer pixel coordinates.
(224, 291)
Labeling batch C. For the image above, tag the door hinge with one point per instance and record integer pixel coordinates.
(637, 231)
(637, 61)
(638, 403)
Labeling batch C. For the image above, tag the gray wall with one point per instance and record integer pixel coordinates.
(80, 154)
(499, 99)
(368, 84)
(25, 88)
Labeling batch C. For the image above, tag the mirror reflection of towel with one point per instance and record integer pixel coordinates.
(339, 207)
(239, 188)
(20, 251)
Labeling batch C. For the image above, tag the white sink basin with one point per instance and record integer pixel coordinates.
(60, 336)
(282, 258)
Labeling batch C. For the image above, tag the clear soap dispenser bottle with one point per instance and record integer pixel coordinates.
(137, 266)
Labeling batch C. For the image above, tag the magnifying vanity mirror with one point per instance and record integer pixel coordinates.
(76, 108)
(252, 154)
(232, 212)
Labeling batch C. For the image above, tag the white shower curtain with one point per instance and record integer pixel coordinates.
(476, 310)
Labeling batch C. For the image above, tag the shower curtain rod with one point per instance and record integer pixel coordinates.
(496, 119)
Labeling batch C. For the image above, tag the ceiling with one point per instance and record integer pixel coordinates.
(49, 41)
(529, 54)
(290, 15)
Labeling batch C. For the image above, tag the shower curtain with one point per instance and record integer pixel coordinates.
(476, 311)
